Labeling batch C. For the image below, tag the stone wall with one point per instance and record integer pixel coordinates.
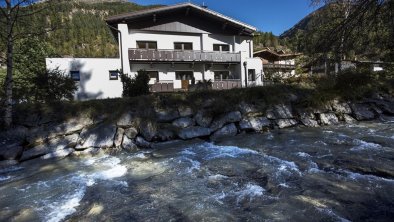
(130, 132)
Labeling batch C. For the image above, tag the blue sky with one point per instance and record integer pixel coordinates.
(267, 15)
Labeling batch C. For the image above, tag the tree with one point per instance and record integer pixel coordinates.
(350, 28)
(14, 15)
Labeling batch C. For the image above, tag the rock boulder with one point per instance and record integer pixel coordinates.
(203, 118)
(254, 123)
(166, 115)
(119, 137)
(362, 112)
(148, 130)
(128, 144)
(328, 119)
(183, 122)
(285, 123)
(226, 131)
(194, 132)
(10, 151)
(222, 120)
(100, 136)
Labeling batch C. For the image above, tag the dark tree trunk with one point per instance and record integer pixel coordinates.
(9, 80)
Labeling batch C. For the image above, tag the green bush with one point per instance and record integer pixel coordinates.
(53, 85)
(353, 83)
(137, 86)
(40, 87)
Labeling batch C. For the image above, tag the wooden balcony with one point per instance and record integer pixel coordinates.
(159, 55)
(278, 66)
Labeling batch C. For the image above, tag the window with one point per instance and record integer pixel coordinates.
(183, 46)
(220, 75)
(146, 45)
(221, 47)
(251, 75)
(113, 75)
(184, 75)
(75, 75)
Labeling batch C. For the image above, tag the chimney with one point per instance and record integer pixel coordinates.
(203, 5)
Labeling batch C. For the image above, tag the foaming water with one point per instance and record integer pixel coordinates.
(363, 145)
(58, 196)
(333, 173)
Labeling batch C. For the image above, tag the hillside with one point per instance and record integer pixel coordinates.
(267, 39)
(302, 25)
(369, 37)
(296, 36)
(82, 31)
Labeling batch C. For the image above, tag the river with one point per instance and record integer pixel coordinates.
(334, 173)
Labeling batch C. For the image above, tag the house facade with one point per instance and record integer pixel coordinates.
(277, 63)
(177, 46)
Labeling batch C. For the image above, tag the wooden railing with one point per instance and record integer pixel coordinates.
(226, 84)
(278, 66)
(183, 56)
(167, 86)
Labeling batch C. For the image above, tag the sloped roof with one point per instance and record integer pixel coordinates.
(127, 17)
(280, 54)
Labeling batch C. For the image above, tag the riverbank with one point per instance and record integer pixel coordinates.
(88, 128)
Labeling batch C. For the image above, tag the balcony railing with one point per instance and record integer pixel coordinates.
(278, 66)
(226, 84)
(183, 56)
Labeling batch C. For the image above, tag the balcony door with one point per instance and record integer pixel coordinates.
(185, 77)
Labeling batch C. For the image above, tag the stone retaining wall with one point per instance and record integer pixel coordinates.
(130, 132)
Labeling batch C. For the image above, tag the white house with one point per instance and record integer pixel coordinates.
(177, 45)
(277, 63)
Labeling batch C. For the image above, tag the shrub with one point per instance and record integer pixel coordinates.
(358, 83)
(41, 86)
(201, 85)
(53, 85)
(137, 86)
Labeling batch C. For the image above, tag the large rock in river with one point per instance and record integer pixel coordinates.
(362, 112)
(58, 154)
(185, 111)
(285, 123)
(222, 120)
(148, 130)
(50, 147)
(226, 131)
(119, 137)
(194, 132)
(101, 136)
(309, 122)
(281, 111)
(70, 126)
(126, 120)
(341, 107)
(166, 115)
(183, 122)
(254, 123)
(128, 144)
(328, 119)
(10, 151)
(203, 118)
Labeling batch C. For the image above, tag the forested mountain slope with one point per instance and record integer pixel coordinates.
(80, 29)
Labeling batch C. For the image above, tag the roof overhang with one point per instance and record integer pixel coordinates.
(244, 28)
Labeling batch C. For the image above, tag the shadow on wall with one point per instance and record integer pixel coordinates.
(85, 77)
